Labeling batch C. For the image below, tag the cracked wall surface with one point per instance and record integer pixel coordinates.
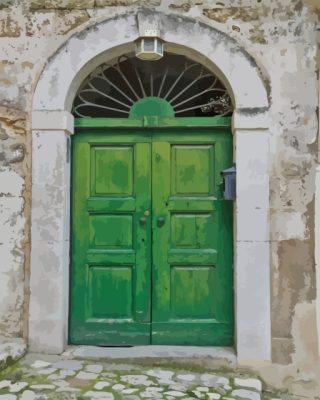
(281, 36)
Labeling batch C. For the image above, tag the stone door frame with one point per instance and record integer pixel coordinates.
(52, 125)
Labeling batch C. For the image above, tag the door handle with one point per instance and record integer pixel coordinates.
(142, 221)
(160, 222)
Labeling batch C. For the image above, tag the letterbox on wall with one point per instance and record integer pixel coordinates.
(229, 183)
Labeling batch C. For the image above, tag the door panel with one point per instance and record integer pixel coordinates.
(192, 297)
(110, 293)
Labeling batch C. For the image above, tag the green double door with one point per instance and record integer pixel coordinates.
(151, 238)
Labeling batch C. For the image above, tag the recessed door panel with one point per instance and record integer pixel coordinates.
(112, 231)
(191, 288)
(112, 170)
(192, 169)
(110, 292)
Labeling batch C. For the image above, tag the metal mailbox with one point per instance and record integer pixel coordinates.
(229, 183)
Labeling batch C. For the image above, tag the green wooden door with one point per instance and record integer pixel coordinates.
(111, 260)
(192, 239)
(151, 237)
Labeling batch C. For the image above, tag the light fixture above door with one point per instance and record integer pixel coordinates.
(149, 45)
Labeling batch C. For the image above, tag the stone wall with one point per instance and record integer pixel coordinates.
(281, 36)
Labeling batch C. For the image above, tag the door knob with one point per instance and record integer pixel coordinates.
(160, 222)
(142, 221)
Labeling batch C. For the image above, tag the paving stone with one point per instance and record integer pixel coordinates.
(199, 395)
(175, 393)
(109, 375)
(214, 396)
(79, 382)
(68, 389)
(61, 383)
(164, 377)
(42, 387)
(186, 377)
(40, 364)
(101, 385)
(61, 374)
(154, 389)
(147, 395)
(118, 387)
(246, 394)
(94, 368)
(54, 377)
(28, 395)
(4, 384)
(178, 386)
(66, 372)
(152, 393)
(72, 365)
(86, 375)
(129, 391)
(202, 389)
(17, 387)
(46, 371)
(99, 395)
(137, 380)
(249, 383)
(216, 381)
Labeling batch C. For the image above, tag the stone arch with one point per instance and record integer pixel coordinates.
(83, 52)
(52, 123)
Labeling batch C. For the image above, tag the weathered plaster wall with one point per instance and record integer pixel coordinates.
(281, 37)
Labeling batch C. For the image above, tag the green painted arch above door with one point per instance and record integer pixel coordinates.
(151, 106)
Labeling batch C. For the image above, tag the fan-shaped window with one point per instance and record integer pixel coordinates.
(192, 90)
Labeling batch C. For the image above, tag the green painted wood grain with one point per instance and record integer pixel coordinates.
(139, 284)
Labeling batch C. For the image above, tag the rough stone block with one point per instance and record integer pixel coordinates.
(9, 27)
(6, 3)
(103, 3)
(223, 14)
(59, 22)
(61, 4)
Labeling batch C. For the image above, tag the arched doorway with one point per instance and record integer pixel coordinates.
(151, 232)
(52, 125)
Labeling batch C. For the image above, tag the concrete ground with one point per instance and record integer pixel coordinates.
(82, 373)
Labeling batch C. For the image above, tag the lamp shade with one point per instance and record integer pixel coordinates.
(149, 46)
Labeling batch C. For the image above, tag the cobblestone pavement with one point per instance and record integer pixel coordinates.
(34, 378)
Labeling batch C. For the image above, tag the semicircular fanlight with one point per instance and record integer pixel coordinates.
(191, 89)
